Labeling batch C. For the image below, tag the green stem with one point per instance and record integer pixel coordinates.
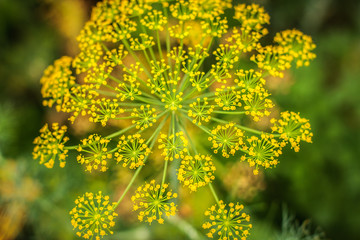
(172, 127)
(214, 193)
(187, 228)
(230, 112)
(164, 174)
(159, 44)
(106, 93)
(115, 134)
(130, 184)
(70, 147)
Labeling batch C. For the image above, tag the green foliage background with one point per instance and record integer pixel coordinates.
(320, 183)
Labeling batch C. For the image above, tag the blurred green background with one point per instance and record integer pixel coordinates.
(321, 183)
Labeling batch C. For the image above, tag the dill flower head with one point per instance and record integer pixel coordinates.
(226, 137)
(132, 151)
(49, 146)
(57, 82)
(227, 222)
(262, 151)
(169, 72)
(93, 216)
(153, 201)
(196, 171)
(96, 153)
(299, 46)
(292, 129)
(174, 146)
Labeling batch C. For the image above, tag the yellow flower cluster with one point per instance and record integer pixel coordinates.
(49, 146)
(262, 151)
(252, 16)
(161, 68)
(227, 222)
(297, 45)
(132, 151)
(196, 171)
(145, 117)
(153, 201)
(293, 129)
(96, 153)
(174, 146)
(57, 82)
(200, 111)
(93, 216)
(226, 137)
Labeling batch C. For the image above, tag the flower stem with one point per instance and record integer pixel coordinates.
(230, 112)
(115, 134)
(214, 193)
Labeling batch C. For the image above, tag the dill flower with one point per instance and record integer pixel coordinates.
(145, 116)
(196, 171)
(200, 111)
(273, 59)
(227, 222)
(299, 46)
(93, 216)
(262, 151)
(160, 68)
(153, 202)
(102, 110)
(132, 151)
(50, 145)
(174, 146)
(96, 153)
(57, 82)
(227, 98)
(292, 129)
(251, 16)
(226, 137)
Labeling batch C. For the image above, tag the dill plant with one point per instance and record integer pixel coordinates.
(145, 63)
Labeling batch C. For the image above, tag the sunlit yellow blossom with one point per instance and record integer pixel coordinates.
(153, 201)
(57, 82)
(96, 153)
(132, 151)
(80, 101)
(208, 9)
(256, 103)
(174, 146)
(262, 151)
(298, 45)
(249, 80)
(252, 16)
(197, 171)
(93, 216)
(50, 145)
(200, 111)
(293, 129)
(154, 20)
(273, 59)
(145, 117)
(102, 110)
(228, 98)
(227, 222)
(226, 137)
(245, 40)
